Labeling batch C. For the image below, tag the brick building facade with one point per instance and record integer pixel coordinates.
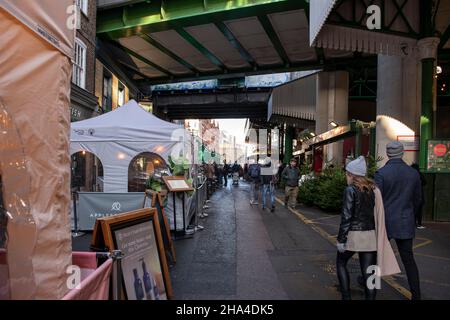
(83, 101)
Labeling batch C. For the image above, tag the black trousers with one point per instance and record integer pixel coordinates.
(419, 214)
(366, 259)
(405, 249)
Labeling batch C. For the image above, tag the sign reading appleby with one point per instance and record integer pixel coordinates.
(438, 156)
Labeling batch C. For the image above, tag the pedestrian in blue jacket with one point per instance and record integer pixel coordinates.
(401, 187)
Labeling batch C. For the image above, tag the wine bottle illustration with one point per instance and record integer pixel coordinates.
(155, 289)
(148, 283)
(138, 290)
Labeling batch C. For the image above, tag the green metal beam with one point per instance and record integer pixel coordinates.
(166, 51)
(272, 34)
(133, 69)
(145, 60)
(208, 54)
(331, 64)
(236, 44)
(158, 16)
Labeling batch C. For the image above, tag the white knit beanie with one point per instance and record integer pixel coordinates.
(357, 167)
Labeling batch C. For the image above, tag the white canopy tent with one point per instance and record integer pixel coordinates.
(120, 135)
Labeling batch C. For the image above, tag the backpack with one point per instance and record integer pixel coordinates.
(254, 171)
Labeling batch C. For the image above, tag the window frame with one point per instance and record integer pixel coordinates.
(82, 67)
(83, 5)
(120, 88)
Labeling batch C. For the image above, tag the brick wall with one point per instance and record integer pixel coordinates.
(87, 34)
(99, 67)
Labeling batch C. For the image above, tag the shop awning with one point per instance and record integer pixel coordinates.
(342, 25)
(296, 99)
(332, 135)
(319, 12)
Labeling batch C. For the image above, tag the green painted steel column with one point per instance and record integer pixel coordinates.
(426, 118)
(373, 142)
(288, 144)
(358, 141)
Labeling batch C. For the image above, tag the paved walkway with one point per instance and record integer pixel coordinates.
(431, 250)
(247, 253)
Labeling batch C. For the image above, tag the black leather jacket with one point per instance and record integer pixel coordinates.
(357, 212)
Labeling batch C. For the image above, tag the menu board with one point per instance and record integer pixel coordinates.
(141, 266)
(438, 156)
(177, 184)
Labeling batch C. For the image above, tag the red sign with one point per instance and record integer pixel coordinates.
(440, 150)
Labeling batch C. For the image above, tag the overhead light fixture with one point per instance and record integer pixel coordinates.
(334, 124)
(312, 134)
(438, 70)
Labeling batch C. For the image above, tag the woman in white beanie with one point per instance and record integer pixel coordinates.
(357, 229)
(358, 232)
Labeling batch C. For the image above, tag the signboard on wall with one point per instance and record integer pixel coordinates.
(438, 160)
(411, 143)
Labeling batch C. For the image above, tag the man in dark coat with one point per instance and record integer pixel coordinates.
(401, 189)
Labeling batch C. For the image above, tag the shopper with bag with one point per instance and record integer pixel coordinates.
(362, 230)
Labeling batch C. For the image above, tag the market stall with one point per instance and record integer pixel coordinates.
(121, 139)
(117, 137)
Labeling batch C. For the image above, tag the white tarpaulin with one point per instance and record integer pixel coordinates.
(120, 135)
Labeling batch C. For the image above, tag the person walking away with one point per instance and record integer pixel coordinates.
(268, 182)
(419, 212)
(235, 167)
(362, 231)
(210, 178)
(216, 173)
(226, 171)
(246, 171)
(254, 172)
(400, 187)
(291, 175)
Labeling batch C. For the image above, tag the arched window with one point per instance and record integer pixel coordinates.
(142, 167)
(86, 173)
